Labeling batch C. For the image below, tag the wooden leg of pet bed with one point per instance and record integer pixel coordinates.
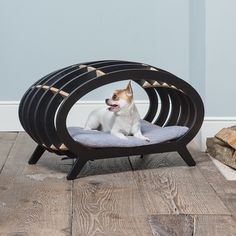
(76, 168)
(186, 155)
(38, 152)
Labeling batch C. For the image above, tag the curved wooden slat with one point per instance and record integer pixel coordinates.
(33, 100)
(175, 108)
(185, 110)
(165, 106)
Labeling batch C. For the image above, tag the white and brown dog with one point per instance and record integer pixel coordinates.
(121, 118)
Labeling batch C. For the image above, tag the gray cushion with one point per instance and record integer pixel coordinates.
(99, 139)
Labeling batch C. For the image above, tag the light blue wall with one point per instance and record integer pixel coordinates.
(197, 45)
(220, 57)
(194, 39)
(38, 37)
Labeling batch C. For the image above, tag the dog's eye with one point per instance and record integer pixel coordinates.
(114, 97)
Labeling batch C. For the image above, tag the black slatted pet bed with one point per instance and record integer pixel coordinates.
(174, 117)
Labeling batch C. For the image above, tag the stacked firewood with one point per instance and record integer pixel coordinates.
(223, 146)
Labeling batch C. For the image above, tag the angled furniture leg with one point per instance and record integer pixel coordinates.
(76, 168)
(186, 155)
(38, 152)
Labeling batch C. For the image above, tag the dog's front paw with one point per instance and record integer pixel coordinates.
(147, 139)
(140, 136)
(123, 137)
(120, 135)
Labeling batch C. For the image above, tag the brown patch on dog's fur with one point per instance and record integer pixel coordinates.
(126, 94)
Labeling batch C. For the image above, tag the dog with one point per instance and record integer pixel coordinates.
(121, 118)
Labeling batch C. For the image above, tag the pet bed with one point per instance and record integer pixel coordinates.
(175, 113)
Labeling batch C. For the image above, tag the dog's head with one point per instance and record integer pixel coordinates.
(120, 99)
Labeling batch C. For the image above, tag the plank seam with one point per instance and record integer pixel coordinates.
(8, 153)
(72, 207)
(210, 185)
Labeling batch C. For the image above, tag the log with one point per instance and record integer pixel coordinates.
(227, 135)
(221, 151)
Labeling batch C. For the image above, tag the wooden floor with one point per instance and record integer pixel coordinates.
(157, 195)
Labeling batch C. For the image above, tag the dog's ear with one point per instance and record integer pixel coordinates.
(129, 90)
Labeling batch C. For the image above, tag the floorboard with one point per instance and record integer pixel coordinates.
(151, 161)
(226, 190)
(157, 195)
(108, 204)
(214, 225)
(6, 142)
(105, 166)
(214, 177)
(35, 200)
(177, 190)
(8, 136)
(172, 225)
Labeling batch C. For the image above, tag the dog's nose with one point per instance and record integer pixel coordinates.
(106, 100)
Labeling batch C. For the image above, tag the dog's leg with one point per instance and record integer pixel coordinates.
(139, 135)
(118, 134)
(92, 123)
(137, 132)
